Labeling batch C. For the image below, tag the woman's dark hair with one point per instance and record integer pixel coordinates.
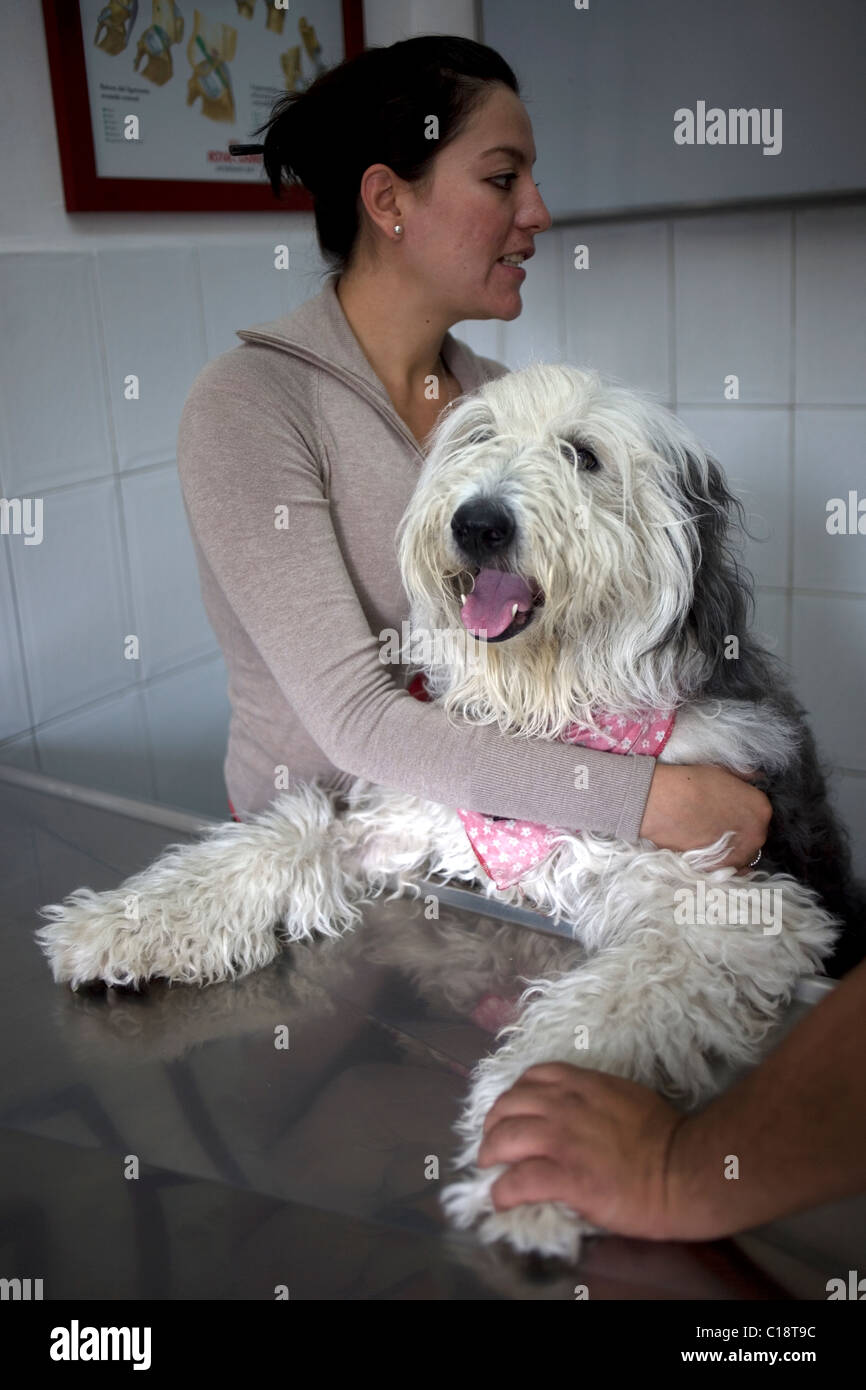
(373, 109)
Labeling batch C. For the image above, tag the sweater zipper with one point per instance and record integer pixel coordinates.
(342, 374)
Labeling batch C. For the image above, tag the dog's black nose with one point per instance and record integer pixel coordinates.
(482, 529)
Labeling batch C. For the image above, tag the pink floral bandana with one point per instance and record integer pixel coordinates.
(508, 850)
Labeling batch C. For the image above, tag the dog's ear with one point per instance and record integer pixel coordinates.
(722, 602)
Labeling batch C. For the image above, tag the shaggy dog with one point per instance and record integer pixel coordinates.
(568, 559)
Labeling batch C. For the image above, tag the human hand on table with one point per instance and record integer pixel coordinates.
(599, 1143)
(627, 1161)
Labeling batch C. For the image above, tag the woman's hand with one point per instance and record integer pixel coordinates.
(598, 1143)
(691, 807)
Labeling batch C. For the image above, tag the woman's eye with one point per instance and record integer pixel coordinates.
(584, 459)
(509, 177)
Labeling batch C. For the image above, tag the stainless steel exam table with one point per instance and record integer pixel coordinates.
(279, 1131)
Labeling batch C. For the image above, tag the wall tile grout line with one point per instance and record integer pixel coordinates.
(115, 696)
(132, 472)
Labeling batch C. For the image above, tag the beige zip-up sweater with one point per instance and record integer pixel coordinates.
(295, 470)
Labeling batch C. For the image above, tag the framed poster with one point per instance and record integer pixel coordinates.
(149, 94)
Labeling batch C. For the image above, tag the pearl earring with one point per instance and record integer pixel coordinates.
(398, 230)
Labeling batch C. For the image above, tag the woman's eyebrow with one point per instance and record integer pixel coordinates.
(517, 155)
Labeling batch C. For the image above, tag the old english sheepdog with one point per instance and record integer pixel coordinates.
(570, 552)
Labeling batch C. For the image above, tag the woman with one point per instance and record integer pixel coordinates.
(299, 450)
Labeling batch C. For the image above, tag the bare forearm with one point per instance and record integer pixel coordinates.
(796, 1127)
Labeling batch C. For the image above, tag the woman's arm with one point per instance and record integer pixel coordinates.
(243, 452)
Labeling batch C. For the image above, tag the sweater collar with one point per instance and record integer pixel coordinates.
(319, 328)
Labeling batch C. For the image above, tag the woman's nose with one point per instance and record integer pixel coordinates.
(536, 215)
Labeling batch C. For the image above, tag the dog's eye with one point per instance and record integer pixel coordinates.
(583, 458)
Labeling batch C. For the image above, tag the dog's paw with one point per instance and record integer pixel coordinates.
(93, 937)
(546, 1228)
(468, 1201)
(124, 939)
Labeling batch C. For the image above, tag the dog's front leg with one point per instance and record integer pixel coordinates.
(660, 1005)
(215, 909)
(556, 1025)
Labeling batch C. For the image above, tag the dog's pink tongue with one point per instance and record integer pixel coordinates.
(490, 604)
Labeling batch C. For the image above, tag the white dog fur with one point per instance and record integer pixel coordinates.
(615, 550)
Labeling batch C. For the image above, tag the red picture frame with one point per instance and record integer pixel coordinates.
(84, 189)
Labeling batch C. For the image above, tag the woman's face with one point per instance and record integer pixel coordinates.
(480, 207)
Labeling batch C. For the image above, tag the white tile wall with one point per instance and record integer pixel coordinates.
(538, 334)
(116, 558)
(484, 336)
(170, 619)
(734, 306)
(52, 384)
(20, 752)
(670, 305)
(153, 329)
(618, 309)
(753, 447)
(828, 463)
(187, 718)
(241, 287)
(772, 621)
(14, 710)
(72, 601)
(828, 649)
(830, 342)
(849, 795)
(104, 746)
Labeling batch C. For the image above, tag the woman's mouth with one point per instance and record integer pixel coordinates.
(501, 605)
(513, 265)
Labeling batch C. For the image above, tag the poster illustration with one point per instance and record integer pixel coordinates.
(199, 75)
